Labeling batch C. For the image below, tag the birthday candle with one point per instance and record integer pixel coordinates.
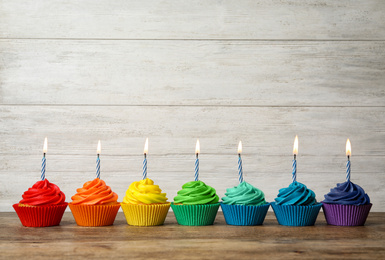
(98, 152)
(145, 159)
(197, 150)
(240, 170)
(43, 161)
(348, 154)
(295, 152)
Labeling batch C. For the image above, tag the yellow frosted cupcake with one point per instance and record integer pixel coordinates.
(145, 204)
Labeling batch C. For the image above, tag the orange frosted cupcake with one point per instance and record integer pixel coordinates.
(145, 204)
(43, 205)
(95, 204)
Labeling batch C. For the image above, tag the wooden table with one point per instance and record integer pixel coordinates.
(172, 241)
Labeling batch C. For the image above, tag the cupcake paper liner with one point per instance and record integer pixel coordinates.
(346, 215)
(94, 215)
(195, 215)
(145, 215)
(40, 216)
(293, 215)
(242, 215)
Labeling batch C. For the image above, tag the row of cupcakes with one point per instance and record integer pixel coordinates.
(196, 204)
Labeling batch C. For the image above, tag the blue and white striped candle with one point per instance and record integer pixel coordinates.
(145, 151)
(98, 152)
(197, 151)
(348, 154)
(43, 161)
(295, 152)
(240, 170)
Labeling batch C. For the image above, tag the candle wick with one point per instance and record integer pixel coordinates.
(145, 155)
(98, 155)
(295, 156)
(44, 155)
(348, 157)
(197, 155)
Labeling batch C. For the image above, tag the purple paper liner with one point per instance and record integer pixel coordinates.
(242, 215)
(293, 215)
(346, 215)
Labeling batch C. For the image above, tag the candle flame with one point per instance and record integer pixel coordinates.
(348, 148)
(197, 147)
(240, 147)
(295, 148)
(99, 149)
(145, 151)
(45, 145)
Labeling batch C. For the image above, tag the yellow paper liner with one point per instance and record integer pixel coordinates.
(94, 215)
(145, 215)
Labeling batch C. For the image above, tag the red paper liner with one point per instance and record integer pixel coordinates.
(40, 216)
(346, 215)
(145, 215)
(94, 215)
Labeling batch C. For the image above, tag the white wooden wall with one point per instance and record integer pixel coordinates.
(174, 71)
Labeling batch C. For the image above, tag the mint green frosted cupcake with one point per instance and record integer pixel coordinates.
(244, 205)
(196, 204)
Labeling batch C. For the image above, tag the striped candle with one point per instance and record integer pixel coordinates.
(348, 154)
(145, 151)
(197, 150)
(240, 170)
(98, 152)
(295, 152)
(43, 161)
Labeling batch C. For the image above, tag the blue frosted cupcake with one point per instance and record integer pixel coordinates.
(296, 206)
(346, 205)
(244, 205)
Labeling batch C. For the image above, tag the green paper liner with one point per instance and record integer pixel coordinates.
(40, 216)
(94, 215)
(145, 215)
(195, 215)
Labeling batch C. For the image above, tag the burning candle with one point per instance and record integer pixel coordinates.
(43, 160)
(295, 152)
(98, 152)
(348, 154)
(197, 151)
(240, 171)
(145, 151)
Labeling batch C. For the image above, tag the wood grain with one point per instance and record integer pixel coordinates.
(180, 73)
(219, 241)
(200, 19)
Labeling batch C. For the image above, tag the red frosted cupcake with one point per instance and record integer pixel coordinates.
(43, 205)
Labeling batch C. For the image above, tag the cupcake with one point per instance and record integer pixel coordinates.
(43, 205)
(94, 204)
(145, 204)
(296, 206)
(196, 204)
(244, 205)
(346, 205)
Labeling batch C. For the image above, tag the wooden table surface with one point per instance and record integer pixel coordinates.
(173, 241)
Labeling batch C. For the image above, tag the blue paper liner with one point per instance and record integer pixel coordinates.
(195, 215)
(293, 215)
(242, 215)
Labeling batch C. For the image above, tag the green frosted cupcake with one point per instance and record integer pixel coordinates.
(196, 204)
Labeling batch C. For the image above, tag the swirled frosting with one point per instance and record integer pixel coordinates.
(347, 193)
(244, 194)
(296, 194)
(43, 193)
(95, 192)
(144, 192)
(196, 192)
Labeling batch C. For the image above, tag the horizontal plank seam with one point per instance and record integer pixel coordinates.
(203, 39)
(203, 105)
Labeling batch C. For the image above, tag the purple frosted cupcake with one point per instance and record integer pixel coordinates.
(296, 205)
(346, 205)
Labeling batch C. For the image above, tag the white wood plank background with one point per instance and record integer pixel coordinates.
(174, 71)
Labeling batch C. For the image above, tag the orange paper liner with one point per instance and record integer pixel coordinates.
(94, 215)
(40, 216)
(145, 215)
